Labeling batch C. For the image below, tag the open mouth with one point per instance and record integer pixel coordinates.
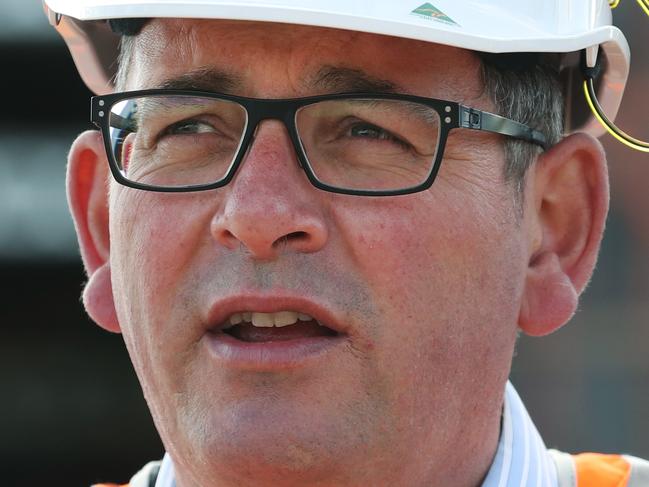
(256, 327)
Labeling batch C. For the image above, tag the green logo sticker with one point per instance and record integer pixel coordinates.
(430, 12)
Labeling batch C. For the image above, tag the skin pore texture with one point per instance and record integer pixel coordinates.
(431, 288)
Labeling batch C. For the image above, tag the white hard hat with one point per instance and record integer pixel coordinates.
(567, 27)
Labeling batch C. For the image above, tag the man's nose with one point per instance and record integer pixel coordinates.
(270, 207)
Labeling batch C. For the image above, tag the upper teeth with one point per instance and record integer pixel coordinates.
(281, 318)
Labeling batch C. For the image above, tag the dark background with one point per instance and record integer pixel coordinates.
(71, 411)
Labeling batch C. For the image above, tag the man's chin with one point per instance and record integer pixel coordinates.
(280, 455)
(274, 443)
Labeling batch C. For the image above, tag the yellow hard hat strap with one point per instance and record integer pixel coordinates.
(590, 73)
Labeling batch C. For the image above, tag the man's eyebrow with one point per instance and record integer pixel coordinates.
(203, 79)
(331, 79)
(335, 79)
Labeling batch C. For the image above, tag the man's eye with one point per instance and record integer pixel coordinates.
(369, 131)
(189, 127)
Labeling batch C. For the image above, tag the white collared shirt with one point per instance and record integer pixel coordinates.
(521, 458)
(166, 477)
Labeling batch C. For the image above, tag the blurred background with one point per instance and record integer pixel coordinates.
(71, 410)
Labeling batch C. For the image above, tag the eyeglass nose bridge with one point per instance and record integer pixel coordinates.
(265, 110)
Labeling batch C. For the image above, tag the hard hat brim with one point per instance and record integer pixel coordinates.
(494, 29)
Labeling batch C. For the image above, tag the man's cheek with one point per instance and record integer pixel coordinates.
(155, 236)
(402, 247)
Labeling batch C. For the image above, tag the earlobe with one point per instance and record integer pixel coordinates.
(566, 207)
(87, 190)
(98, 299)
(550, 298)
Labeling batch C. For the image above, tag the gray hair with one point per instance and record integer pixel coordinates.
(530, 94)
(125, 58)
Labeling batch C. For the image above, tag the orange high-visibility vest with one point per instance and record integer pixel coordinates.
(597, 470)
(584, 470)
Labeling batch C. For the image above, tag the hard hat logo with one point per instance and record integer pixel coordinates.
(430, 12)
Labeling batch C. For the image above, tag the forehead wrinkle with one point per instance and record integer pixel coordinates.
(171, 39)
(164, 40)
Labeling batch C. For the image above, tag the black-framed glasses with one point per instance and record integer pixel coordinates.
(366, 144)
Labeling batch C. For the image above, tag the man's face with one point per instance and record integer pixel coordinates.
(423, 290)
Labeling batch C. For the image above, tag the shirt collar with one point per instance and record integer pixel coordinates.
(166, 476)
(521, 457)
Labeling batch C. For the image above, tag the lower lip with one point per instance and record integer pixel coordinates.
(268, 356)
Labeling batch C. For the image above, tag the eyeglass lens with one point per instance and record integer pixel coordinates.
(365, 144)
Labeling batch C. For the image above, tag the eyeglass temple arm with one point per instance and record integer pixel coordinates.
(471, 118)
(121, 123)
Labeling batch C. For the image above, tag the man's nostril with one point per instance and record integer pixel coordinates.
(297, 236)
(291, 237)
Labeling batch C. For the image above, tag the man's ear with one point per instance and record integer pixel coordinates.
(565, 212)
(87, 188)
